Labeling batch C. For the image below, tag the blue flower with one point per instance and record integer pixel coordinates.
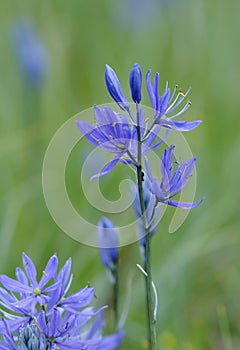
(114, 88)
(135, 80)
(113, 133)
(62, 322)
(166, 104)
(108, 243)
(31, 292)
(172, 182)
(31, 53)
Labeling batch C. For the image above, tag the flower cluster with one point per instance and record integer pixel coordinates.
(42, 315)
(131, 137)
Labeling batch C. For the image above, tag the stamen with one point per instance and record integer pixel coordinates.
(44, 273)
(183, 110)
(114, 124)
(37, 291)
(121, 146)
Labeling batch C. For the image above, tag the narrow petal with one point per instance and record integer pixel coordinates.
(107, 168)
(183, 205)
(180, 125)
(150, 90)
(30, 269)
(181, 175)
(50, 271)
(13, 285)
(112, 341)
(148, 169)
(114, 88)
(164, 101)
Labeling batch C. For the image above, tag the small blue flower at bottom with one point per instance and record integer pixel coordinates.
(172, 182)
(55, 319)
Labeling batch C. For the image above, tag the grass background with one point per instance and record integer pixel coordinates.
(194, 43)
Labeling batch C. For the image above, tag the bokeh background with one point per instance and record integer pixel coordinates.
(53, 56)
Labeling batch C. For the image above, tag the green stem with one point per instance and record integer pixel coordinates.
(148, 280)
(115, 294)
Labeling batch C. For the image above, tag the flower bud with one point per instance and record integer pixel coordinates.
(114, 88)
(135, 80)
(108, 243)
(31, 339)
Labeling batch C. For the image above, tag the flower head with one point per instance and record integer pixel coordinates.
(165, 104)
(26, 286)
(113, 133)
(61, 322)
(172, 182)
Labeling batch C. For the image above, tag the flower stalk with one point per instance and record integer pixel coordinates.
(148, 279)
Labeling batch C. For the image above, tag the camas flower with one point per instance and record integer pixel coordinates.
(115, 134)
(172, 182)
(53, 321)
(165, 105)
(31, 292)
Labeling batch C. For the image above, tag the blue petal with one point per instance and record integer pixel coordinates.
(114, 88)
(107, 168)
(50, 271)
(183, 205)
(30, 269)
(13, 285)
(181, 175)
(164, 101)
(180, 125)
(153, 89)
(112, 341)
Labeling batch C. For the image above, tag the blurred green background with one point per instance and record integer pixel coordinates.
(193, 43)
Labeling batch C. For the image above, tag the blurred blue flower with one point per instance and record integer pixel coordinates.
(108, 243)
(53, 318)
(166, 104)
(31, 53)
(172, 182)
